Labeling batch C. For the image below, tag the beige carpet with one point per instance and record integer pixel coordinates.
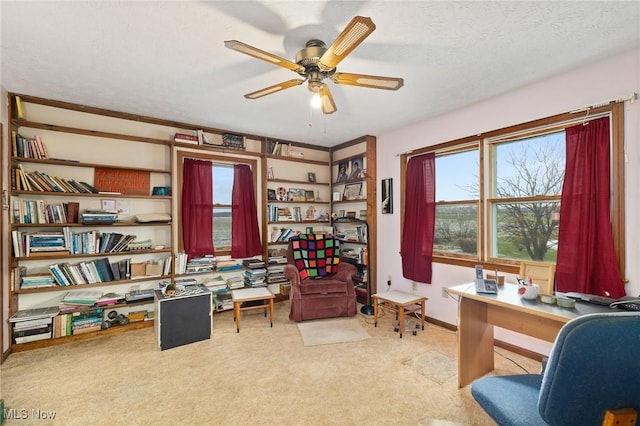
(330, 331)
(435, 366)
(260, 376)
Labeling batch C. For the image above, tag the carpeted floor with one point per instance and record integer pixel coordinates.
(260, 376)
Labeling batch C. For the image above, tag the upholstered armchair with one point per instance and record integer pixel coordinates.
(321, 284)
(592, 375)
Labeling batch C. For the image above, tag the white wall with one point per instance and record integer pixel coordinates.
(610, 79)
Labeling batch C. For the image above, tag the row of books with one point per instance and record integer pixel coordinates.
(283, 234)
(42, 182)
(28, 147)
(255, 277)
(86, 242)
(91, 272)
(36, 211)
(357, 233)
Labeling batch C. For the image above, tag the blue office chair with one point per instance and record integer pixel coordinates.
(593, 367)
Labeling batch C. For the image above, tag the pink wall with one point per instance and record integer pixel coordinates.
(610, 79)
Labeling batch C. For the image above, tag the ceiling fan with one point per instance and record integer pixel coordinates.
(316, 62)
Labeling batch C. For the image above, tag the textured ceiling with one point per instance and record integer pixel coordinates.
(167, 59)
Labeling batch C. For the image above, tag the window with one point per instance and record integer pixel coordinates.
(498, 194)
(222, 187)
(222, 173)
(525, 184)
(456, 227)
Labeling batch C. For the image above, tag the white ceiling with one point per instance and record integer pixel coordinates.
(166, 59)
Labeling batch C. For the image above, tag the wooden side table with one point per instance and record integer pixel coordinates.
(243, 295)
(402, 303)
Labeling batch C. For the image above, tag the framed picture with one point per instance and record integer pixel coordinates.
(311, 176)
(341, 213)
(387, 196)
(271, 194)
(357, 168)
(337, 196)
(352, 191)
(282, 194)
(343, 172)
(296, 194)
(309, 196)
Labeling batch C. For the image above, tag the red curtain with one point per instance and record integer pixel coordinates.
(586, 259)
(245, 234)
(419, 218)
(197, 208)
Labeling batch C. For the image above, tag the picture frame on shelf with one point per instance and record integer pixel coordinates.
(309, 195)
(343, 172)
(282, 194)
(356, 168)
(311, 176)
(352, 191)
(341, 213)
(297, 194)
(387, 196)
(271, 194)
(337, 196)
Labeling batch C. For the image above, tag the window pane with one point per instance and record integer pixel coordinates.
(456, 229)
(457, 176)
(221, 228)
(529, 167)
(525, 231)
(222, 184)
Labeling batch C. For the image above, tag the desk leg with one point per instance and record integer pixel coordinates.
(400, 315)
(422, 313)
(271, 312)
(236, 315)
(375, 311)
(475, 342)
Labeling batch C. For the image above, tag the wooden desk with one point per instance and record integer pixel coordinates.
(479, 313)
(403, 302)
(249, 295)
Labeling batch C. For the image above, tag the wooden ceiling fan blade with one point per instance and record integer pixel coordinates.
(328, 105)
(261, 54)
(356, 31)
(273, 89)
(372, 81)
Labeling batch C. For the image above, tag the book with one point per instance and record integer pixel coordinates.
(184, 137)
(19, 107)
(35, 313)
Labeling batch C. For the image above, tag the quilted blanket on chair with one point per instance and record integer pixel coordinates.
(315, 255)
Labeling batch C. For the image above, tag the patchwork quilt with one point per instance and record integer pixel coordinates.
(315, 255)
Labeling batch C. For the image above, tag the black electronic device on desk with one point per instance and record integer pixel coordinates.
(484, 285)
(626, 303)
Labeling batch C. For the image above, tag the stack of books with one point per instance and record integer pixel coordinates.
(86, 322)
(201, 264)
(99, 217)
(37, 281)
(30, 325)
(216, 284)
(235, 282)
(79, 300)
(255, 277)
(228, 265)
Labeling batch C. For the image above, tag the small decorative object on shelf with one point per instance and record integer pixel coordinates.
(230, 140)
(270, 172)
(311, 176)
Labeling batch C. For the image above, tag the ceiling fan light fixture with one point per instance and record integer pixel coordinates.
(316, 101)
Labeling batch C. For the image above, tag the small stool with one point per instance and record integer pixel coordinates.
(402, 303)
(249, 295)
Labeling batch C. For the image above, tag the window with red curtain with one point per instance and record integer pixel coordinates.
(419, 218)
(586, 260)
(245, 234)
(197, 208)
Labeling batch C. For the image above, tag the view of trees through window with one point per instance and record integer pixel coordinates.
(522, 194)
